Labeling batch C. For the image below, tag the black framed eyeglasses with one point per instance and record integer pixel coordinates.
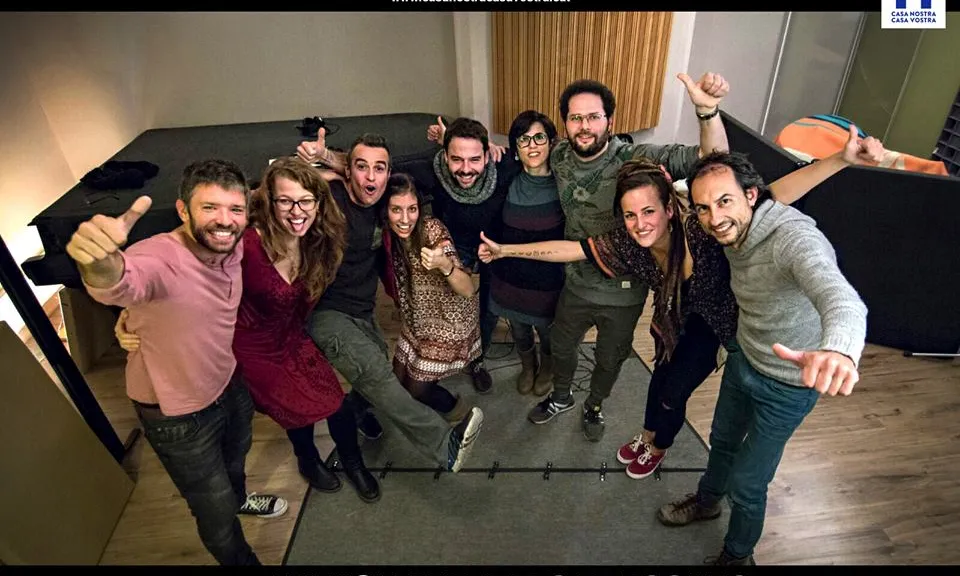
(539, 138)
(305, 204)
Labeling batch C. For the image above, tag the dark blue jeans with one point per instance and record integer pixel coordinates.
(754, 418)
(488, 320)
(204, 454)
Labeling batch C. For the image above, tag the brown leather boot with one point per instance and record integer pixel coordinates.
(544, 380)
(458, 413)
(528, 361)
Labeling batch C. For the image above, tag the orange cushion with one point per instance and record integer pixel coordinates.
(815, 138)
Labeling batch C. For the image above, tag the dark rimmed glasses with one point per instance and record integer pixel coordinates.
(524, 140)
(305, 204)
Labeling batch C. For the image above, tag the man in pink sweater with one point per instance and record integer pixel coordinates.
(182, 290)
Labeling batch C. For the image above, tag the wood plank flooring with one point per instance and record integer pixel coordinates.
(873, 478)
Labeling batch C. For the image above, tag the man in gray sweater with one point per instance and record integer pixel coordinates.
(800, 334)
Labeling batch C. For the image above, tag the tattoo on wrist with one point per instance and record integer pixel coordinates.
(534, 252)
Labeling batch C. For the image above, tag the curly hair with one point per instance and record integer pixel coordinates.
(322, 247)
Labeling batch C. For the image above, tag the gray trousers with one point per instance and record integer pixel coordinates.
(356, 348)
(615, 326)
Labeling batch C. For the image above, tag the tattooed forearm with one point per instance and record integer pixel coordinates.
(548, 251)
(535, 253)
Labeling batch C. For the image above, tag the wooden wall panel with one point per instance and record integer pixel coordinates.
(536, 54)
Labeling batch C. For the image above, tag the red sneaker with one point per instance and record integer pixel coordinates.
(645, 464)
(631, 450)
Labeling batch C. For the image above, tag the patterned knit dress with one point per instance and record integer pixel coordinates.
(440, 329)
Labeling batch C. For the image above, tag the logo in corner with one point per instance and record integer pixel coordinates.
(913, 13)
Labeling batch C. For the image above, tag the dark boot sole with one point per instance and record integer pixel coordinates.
(483, 392)
(366, 499)
(325, 490)
(699, 519)
(320, 488)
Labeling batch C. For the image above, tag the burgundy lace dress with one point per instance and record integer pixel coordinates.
(289, 379)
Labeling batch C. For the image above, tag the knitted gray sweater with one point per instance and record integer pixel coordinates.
(790, 290)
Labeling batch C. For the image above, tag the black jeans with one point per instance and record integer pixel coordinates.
(672, 383)
(343, 429)
(204, 453)
(615, 326)
(523, 336)
(488, 320)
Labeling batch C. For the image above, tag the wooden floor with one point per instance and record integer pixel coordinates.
(873, 478)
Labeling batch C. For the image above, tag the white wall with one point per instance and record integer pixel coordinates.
(674, 93)
(224, 68)
(75, 88)
(472, 33)
(743, 47)
(69, 99)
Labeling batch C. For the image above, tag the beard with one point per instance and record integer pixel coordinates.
(736, 237)
(467, 174)
(200, 235)
(593, 149)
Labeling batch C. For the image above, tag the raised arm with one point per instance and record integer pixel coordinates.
(706, 94)
(316, 151)
(796, 184)
(547, 251)
(95, 246)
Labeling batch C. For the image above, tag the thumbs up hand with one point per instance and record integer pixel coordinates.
(858, 150)
(312, 150)
(436, 131)
(435, 259)
(706, 93)
(95, 246)
(101, 236)
(488, 251)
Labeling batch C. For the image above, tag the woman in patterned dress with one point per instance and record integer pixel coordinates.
(439, 308)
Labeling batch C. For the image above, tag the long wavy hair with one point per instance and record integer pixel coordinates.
(666, 316)
(321, 248)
